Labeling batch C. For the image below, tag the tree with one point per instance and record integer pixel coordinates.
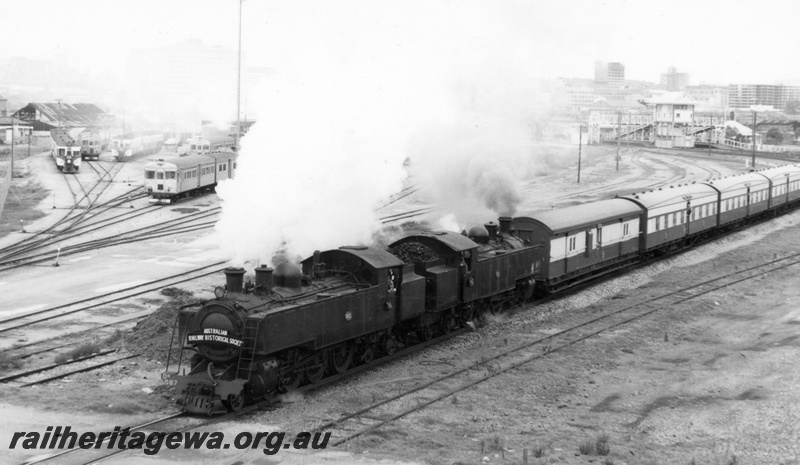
(774, 136)
(793, 107)
(731, 133)
(796, 128)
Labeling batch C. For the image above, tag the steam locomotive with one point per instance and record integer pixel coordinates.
(344, 307)
(351, 305)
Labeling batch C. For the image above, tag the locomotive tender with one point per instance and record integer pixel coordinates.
(350, 305)
(167, 180)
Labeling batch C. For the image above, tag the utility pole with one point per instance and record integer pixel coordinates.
(239, 82)
(619, 135)
(753, 161)
(580, 144)
(12, 148)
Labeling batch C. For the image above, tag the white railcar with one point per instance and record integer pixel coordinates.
(167, 180)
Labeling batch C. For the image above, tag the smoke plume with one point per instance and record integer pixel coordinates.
(356, 89)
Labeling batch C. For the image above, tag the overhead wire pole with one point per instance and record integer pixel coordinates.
(619, 135)
(580, 144)
(239, 82)
(753, 161)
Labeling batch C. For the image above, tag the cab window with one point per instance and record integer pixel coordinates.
(160, 175)
(170, 175)
(149, 174)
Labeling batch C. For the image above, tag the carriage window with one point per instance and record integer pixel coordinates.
(572, 241)
(170, 175)
(626, 229)
(160, 175)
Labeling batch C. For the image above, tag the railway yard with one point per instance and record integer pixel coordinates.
(686, 360)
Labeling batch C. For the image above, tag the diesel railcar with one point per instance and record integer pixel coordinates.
(136, 144)
(66, 153)
(167, 180)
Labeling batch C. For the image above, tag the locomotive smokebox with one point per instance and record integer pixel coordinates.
(264, 278)
(234, 279)
(505, 224)
(492, 229)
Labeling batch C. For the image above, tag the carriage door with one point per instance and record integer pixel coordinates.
(199, 175)
(230, 169)
(687, 218)
(749, 199)
(160, 180)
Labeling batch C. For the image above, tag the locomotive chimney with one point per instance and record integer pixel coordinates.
(234, 279)
(505, 225)
(263, 279)
(491, 228)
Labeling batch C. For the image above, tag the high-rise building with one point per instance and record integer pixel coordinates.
(612, 74)
(747, 95)
(672, 80)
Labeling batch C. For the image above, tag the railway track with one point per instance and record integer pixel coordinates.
(383, 412)
(105, 299)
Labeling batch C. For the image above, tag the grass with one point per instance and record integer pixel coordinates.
(117, 336)
(81, 351)
(176, 292)
(8, 363)
(538, 451)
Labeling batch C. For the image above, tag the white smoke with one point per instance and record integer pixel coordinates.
(357, 88)
(334, 121)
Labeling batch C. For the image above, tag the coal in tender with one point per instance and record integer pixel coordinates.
(413, 252)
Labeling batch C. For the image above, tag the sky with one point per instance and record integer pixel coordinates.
(714, 41)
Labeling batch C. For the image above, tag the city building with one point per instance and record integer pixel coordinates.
(709, 97)
(672, 80)
(773, 95)
(612, 74)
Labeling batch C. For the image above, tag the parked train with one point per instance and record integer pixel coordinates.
(167, 180)
(66, 152)
(199, 145)
(350, 305)
(92, 144)
(136, 144)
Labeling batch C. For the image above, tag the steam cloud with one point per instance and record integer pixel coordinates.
(357, 88)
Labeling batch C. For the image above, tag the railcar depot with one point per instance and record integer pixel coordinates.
(296, 327)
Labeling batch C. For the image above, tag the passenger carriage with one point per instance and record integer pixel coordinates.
(166, 180)
(741, 196)
(582, 241)
(784, 184)
(673, 214)
(200, 145)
